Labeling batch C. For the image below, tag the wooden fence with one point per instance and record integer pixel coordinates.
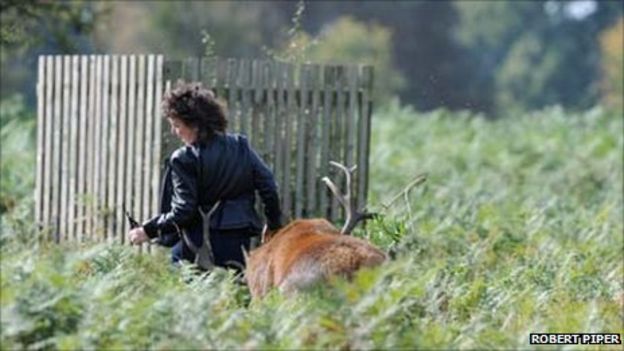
(101, 138)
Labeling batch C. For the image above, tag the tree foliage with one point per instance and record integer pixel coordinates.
(237, 29)
(295, 47)
(534, 54)
(349, 41)
(480, 55)
(422, 45)
(31, 28)
(28, 23)
(17, 154)
(613, 64)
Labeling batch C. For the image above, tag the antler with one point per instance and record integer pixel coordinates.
(353, 215)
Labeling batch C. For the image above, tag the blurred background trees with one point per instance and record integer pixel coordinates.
(32, 28)
(612, 47)
(485, 56)
(533, 54)
(344, 41)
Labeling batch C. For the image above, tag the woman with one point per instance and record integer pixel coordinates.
(215, 172)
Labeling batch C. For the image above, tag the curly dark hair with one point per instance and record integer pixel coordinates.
(196, 107)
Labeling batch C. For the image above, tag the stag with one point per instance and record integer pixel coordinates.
(308, 251)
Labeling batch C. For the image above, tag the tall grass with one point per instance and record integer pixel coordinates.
(17, 152)
(518, 229)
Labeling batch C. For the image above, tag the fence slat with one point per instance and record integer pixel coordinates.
(312, 141)
(366, 84)
(351, 80)
(221, 77)
(64, 159)
(48, 151)
(89, 191)
(73, 147)
(232, 94)
(268, 86)
(328, 82)
(351, 94)
(130, 161)
(139, 142)
(243, 82)
(83, 131)
(148, 136)
(155, 172)
(56, 158)
(113, 150)
(255, 100)
(98, 150)
(288, 132)
(41, 89)
(149, 127)
(122, 165)
(337, 142)
(104, 148)
(208, 72)
(190, 69)
(156, 157)
(300, 126)
(280, 112)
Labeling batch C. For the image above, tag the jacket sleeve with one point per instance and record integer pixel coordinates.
(264, 183)
(184, 198)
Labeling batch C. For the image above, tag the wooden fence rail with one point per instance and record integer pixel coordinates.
(101, 140)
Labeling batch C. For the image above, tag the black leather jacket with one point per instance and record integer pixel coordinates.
(225, 168)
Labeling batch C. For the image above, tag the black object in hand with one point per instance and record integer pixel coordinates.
(132, 221)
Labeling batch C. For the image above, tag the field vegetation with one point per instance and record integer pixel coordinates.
(517, 229)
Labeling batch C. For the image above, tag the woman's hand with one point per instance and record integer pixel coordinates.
(137, 236)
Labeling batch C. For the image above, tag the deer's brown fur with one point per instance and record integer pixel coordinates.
(305, 252)
(308, 251)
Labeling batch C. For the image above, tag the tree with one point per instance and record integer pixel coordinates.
(534, 54)
(613, 65)
(28, 23)
(349, 41)
(28, 28)
(176, 28)
(422, 46)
